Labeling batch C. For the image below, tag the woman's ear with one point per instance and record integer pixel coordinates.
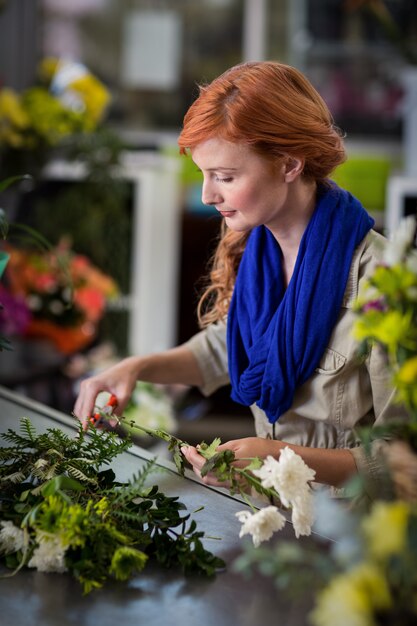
(293, 168)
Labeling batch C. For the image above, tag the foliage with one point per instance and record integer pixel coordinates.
(61, 511)
(387, 312)
(285, 484)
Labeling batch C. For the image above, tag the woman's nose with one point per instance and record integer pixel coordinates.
(209, 194)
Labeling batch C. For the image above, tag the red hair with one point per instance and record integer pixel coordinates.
(274, 109)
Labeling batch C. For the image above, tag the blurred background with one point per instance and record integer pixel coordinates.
(92, 96)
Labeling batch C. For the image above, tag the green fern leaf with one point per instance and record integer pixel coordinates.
(28, 429)
(15, 477)
(76, 473)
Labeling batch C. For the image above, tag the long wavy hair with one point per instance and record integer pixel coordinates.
(276, 111)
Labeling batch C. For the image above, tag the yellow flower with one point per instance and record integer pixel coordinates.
(11, 108)
(102, 507)
(40, 118)
(47, 68)
(95, 97)
(48, 117)
(13, 119)
(351, 599)
(385, 528)
(389, 328)
(405, 381)
(393, 281)
(407, 373)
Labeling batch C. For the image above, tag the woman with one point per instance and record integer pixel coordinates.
(277, 314)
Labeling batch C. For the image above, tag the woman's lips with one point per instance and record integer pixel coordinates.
(227, 213)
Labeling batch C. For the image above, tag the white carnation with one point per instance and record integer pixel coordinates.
(289, 476)
(49, 556)
(12, 538)
(401, 241)
(269, 473)
(303, 515)
(262, 524)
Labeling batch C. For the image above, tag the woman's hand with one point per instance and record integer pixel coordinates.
(119, 380)
(244, 449)
(175, 366)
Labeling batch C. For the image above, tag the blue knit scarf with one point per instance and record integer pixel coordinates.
(276, 336)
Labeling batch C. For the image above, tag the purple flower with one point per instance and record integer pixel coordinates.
(374, 305)
(14, 313)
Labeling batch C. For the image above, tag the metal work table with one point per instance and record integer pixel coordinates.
(156, 597)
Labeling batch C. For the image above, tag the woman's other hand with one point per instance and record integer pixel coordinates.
(244, 450)
(119, 380)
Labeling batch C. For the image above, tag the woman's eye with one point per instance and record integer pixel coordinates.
(224, 180)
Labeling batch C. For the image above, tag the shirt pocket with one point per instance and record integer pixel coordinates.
(331, 363)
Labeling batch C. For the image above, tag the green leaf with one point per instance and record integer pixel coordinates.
(32, 236)
(220, 461)
(60, 483)
(207, 451)
(255, 464)
(5, 184)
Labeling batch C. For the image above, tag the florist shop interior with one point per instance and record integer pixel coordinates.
(106, 246)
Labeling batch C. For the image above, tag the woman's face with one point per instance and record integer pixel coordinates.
(243, 186)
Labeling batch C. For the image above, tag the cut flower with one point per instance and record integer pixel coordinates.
(289, 476)
(262, 524)
(49, 555)
(392, 515)
(12, 538)
(303, 515)
(352, 598)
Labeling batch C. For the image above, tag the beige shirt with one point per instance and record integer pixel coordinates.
(344, 393)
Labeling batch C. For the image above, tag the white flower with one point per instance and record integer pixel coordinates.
(12, 538)
(269, 473)
(401, 241)
(49, 556)
(289, 476)
(303, 514)
(262, 524)
(34, 302)
(411, 261)
(56, 307)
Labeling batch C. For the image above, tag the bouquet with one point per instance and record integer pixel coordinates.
(63, 292)
(67, 103)
(387, 312)
(67, 100)
(61, 510)
(387, 316)
(375, 578)
(367, 576)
